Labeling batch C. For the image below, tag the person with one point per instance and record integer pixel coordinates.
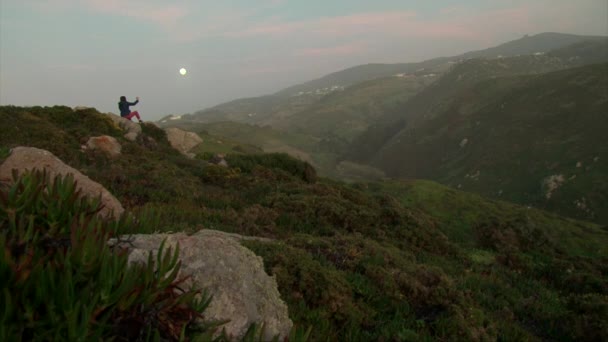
(125, 112)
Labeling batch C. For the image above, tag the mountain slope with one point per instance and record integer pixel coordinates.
(527, 45)
(362, 262)
(532, 139)
(439, 96)
(262, 110)
(340, 114)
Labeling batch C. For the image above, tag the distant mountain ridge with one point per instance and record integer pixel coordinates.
(527, 45)
(257, 110)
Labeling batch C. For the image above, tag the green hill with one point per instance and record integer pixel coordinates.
(269, 109)
(404, 261)
(337, 116)
(343, 115)
(438, 96)
(507, 137)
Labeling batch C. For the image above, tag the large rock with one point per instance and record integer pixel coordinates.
(132, 129)
(106, 144)
(183, 141)
(29, 158)
(242, 291)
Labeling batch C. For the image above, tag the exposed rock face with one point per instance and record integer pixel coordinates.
(132, 129)
(552, 183)
(107, 144)
(183, 141)
(29, 158)
(234, 275)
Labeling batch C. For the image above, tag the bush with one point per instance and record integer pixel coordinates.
(61, 281)
(300, 169)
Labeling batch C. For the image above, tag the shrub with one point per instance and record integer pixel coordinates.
(61, 281)
(281, 161)
(4, 153)
(220, 175)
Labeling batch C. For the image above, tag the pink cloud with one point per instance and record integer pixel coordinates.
(347, 49)
(403, 23)
(164, 15)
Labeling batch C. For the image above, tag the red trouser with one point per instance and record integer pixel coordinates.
(132, 114)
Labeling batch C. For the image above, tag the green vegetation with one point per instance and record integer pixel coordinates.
(505, 137)
(61, 281)
(519, 121)
(365, 261)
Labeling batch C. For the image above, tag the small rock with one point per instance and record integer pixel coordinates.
(78, 108)
(132, 129)
(219, 159)
(106, 144)
(183, 141)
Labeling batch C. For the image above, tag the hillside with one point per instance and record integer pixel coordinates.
(339, 114)
(439, 95)
(232, 137)
(343, 115)
(368, 261)
(509, 138)
(262, 110)
(527, 45)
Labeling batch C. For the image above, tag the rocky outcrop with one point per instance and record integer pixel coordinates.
(551, 184)
(183, 141)
(106, 144)
(132, 129)
(242, 291)
(29, 158)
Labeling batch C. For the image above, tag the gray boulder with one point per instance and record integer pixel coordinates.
(242, 291)
(183, 141)
(106, 144)
(132, 129)
(30, 158)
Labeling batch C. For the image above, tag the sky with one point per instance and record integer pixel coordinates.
(90, 52)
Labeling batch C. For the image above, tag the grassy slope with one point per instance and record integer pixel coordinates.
(376, 261)
(519, 131)
(343, 115)
(224, 137)
(438, 96)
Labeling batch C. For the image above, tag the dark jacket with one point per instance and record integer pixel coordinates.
(124, 107)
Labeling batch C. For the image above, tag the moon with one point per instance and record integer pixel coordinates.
(183, 71)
